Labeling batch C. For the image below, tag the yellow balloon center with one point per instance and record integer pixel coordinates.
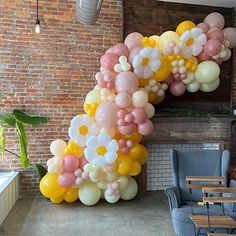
(101, 150)
(145, 61)
(83, 130)
(189, 42)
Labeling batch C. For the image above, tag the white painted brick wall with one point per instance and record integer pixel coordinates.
(159, 169)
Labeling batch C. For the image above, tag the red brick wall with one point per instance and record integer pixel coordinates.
(50, 73)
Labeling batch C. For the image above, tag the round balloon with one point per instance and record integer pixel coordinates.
(133, 40)
(215, 20)
(57, 147)
(210, 87)
(130, 191)
(230, 35)
(184, 26)
(89, 194)
(207, 72)
(166, 38)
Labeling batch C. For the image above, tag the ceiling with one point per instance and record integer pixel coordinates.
(219, 3)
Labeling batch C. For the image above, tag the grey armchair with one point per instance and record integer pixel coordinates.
(188, 162)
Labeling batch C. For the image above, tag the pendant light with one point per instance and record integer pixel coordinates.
(37, 24)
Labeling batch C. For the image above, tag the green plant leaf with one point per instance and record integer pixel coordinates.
(28, 119)
(8, 119)
(25, 162)
(40, 170)
(2, 141)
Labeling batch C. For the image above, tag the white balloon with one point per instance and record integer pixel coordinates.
(130, 191)
(193, 87)
(207, 88)
(190, 78)
(150, 110)
(57, 147)
(89, 194)
(123, 182)
(111, 199)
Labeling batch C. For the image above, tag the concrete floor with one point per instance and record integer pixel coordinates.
(34, 216)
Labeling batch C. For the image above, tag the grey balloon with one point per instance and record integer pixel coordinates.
(87, 11)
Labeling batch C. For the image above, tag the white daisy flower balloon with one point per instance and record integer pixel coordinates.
(82, 128)
(101, 150)
(192, 41)
(146, 62)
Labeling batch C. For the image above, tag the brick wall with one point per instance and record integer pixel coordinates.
(50, 73)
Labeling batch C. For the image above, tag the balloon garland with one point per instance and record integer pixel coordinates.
(104, 150)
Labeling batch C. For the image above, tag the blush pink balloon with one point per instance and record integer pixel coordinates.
(139, 115)
(70, 163)
(135, 51)
(218, 61)
(133, 40)
(66, 179)
(126, 82)
(204, 27)
(108, 61)
(127, 129)
(146, 128)
(230, 35)
(215, 20)
(212, 47)
(177, 88)
(82, 163)
(216, 34)
(121, 49)
(106, 114)
(169, 80)
(123, 100)
(109, 50)
(203, 57)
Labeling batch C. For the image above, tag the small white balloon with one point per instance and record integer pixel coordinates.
(112, 199)
(193, 87)
(57, 147)
(150, 110)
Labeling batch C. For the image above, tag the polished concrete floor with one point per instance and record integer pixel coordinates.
(146, 216)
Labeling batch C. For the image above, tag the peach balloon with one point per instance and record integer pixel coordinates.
(215, 20)
(135, 51)
(133, 40)
(120, 49)
(126, 82)
(123, 100)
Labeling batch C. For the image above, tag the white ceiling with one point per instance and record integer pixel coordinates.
(219, 3)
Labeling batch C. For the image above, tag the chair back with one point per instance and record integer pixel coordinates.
(190, 162)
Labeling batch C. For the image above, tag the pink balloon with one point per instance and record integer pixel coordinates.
(133, 40)
(123, 100)
(125, 150)
(177, 88)
(108, 61)
(215, 20)
(66, 179)
(106, 114)
(146, 128)
(135, 51)
(203, 57)
(230, 35)
(127, 129)
(218, 61)
(126, 82)
(70, 163)
(212, 47)
(109, 50)
(139, 115)
(204, 27)
(169, 80)
(216, 34)
(121, 49)
(82, 163)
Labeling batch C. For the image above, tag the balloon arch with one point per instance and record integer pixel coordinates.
(104, 151)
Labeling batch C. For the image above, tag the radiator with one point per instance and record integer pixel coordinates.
(9, 192)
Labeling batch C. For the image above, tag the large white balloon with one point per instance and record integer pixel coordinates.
(57, 147)
(130, 191)
(193, 87)
(89, 194)
(207, 72)
(112, 199)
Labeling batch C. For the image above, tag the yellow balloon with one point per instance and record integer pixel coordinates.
(154, 99)
(143, 158)
(71, 195)
(184, 26)
(156, 38)
(136, 168)
(73, 149)
(124, 164)
(164, 71)
(149, 42)
(50, 187)
(136, 151)
(143, 82)
(90, 109)
(93, 96)
(135, 137)
(58, 200)
(165, 38)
